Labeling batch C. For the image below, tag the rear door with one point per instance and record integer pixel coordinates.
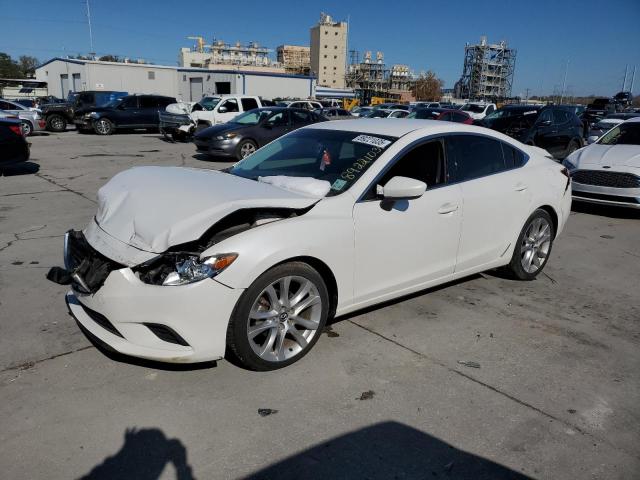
(149, 110)
(545, 132)
(495, 195)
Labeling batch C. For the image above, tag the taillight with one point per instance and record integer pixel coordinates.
(17, 129)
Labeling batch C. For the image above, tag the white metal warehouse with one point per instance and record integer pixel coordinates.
(64, 75)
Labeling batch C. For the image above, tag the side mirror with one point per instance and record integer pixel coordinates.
(222, 109)
(403, 188)
(592, 139)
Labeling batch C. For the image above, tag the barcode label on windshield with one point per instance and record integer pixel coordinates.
(373, 141)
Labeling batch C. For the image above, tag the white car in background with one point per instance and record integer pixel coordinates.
(216, 109)
(608, 171)
(185, 265)
(304, 104)
(478, 111)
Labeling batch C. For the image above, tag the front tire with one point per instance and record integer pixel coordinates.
(56, 123)
(245, 148)
(533, 247)
(103, 126)
(279, 317)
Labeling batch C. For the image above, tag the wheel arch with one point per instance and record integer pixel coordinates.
(325, 272)
(553, 214)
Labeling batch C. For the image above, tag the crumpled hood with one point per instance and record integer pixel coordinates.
(610, 155)
(154, 208)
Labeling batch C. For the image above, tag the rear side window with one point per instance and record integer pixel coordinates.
(513, 158)
(148, 102)
(473, 156)
(248, 104)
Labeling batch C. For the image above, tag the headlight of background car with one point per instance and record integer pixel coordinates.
(226, 136)
(569, 163)
(191, 269)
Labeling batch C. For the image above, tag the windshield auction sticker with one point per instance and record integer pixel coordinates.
(373, 141)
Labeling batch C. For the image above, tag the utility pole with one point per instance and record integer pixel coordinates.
(527, 99)
(633, 77)
(90, 32)
(624, 81)
(564, 81)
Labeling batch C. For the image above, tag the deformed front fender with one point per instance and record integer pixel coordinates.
(327, 238)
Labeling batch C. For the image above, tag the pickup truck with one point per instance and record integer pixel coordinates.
(58, 115)
(216, 109)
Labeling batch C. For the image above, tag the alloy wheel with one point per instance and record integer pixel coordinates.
(536, 244)
(103, 127)
(57, 123)
(247, 149)
(284, 318)
(26, 129)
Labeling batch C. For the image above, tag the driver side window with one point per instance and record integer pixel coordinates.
(424, 162)
(231, 105)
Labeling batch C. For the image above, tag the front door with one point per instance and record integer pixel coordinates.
(226, 110)
(410, 243)
(274, 127)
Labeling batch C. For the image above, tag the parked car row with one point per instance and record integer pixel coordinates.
(30, 117)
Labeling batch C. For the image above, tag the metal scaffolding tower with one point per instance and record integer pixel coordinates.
(488, 71)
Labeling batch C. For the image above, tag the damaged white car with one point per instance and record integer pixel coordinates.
(187, 265)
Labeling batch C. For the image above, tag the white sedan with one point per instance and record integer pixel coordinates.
(187, 265)
(608, 171)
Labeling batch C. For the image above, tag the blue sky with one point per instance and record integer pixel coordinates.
(598, 38)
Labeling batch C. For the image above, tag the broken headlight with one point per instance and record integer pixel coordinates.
(192, 269)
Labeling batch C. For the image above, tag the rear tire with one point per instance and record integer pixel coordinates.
(56, 123)
(103, 126)
(533, 247)
(279, 318)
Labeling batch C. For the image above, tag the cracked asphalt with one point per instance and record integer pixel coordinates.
(483, 378)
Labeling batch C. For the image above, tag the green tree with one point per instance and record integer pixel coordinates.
(28, 65)
(8, 67)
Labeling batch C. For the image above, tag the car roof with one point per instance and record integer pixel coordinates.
(402, 126)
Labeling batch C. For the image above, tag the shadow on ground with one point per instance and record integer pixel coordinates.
(610, 211)
(385, 451)
(144, 456)
(23, 168)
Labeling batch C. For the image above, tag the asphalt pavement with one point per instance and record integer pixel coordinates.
(486, 378)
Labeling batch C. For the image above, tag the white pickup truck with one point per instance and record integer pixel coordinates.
(215, 109)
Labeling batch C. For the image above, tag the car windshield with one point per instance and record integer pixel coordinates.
(337, 157)
(623, 134)
(209, 103)
(471, 107)
(252, 117)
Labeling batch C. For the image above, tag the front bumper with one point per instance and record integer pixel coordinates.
(185, 324)
(83, 123)
(620, 197)
(217, 148)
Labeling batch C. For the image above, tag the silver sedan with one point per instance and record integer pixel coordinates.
(32, 120)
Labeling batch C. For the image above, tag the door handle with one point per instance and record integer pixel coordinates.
(520, 187)
(447, 208)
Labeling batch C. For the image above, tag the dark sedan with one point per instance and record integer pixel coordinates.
(249, 131)
(13, 146)
(556, 129)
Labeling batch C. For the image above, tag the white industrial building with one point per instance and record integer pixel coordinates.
(65, 75)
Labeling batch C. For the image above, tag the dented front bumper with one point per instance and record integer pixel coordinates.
(184, 324)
